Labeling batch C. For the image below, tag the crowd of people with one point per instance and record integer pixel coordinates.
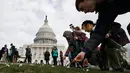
(111, 53)
(9, 55)
(47, 54)
(106, 46)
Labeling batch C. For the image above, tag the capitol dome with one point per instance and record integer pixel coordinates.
(45, 35)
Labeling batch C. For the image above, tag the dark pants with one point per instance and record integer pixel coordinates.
(93, 59)
(114, 55)
(28, 58)
(71, 59)
(128, 28)
(102, 56)
(47, 62)
(14, 58)
(9, 58)
(55, 60)
(103, 63)
(0, 56)
(61, 60)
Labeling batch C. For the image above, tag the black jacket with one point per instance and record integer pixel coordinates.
(28, 52)
(117, 34)
(47, 55)
(108, 11)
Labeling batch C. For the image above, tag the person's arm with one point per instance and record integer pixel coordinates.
(49, 53)
(67, 51)
(82, 37)
(111, 33)
(57, 51)
(114, 31)
(105, 19)
(7, 52)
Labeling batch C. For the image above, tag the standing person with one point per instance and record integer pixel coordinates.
(13, 53)
(28, 55)
(47, 56)
(61, 58)
(4, 53)
(10, 55)
(54, 55)
(107, 11)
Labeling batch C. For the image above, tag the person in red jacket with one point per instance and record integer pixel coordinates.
(76, 41)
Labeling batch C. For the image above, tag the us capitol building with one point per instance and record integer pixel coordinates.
(45, 40)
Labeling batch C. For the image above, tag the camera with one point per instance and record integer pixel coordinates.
(72, 27)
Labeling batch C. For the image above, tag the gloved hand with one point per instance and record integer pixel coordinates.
(79, 57)
(84, 54)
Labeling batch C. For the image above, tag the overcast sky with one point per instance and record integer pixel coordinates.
(20, 20)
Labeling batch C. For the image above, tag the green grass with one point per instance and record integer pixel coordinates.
(46, 69)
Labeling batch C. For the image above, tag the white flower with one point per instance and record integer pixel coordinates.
(68, 66)
(87, 70)
(52, 66)
(7, 65)
(20, 65)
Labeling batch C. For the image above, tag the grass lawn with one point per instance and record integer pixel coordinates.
(45, 69)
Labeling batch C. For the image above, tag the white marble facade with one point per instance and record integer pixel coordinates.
(45, 40)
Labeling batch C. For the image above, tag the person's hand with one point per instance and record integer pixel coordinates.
(85, 62)
(107, 36)
(79, 57)
(64, 57)
(76, 38)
